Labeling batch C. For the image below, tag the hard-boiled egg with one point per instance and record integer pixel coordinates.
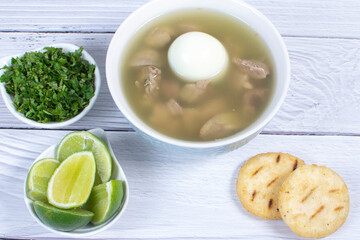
(196, 56)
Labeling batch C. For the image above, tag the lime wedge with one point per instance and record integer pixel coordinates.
(60, 219)
(105, 200)
(83, 140)
(38, 178)
(70, 185)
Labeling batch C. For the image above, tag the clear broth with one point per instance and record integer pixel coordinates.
(238, 39)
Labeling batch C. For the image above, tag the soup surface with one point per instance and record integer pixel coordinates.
(208, 109)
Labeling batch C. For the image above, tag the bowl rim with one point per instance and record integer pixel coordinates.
(100, 133)
(67, 47)
(254, 128)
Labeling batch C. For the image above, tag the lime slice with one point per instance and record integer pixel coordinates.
(83, 140)
(70, 185)
(38, 178)
(60, 219)
(105, 200)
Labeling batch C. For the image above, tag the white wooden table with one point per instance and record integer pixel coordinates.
(177, 197)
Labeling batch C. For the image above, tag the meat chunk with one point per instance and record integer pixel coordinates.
(212, 107)
(162, 119)
(254, 69)
(147, 102)
(192, 92)
(252, 99)
(169, 88)
(146, 57)
(159, 37)
(240, 81)
(150, 84)
(174, 107)
(202, 85)
(188, 27)
(221, 125)
(166, 115)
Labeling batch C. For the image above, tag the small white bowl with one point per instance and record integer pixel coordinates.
(240, 11)
(67, 47)
(117, 173)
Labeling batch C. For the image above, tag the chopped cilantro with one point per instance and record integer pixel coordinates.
(50, 85)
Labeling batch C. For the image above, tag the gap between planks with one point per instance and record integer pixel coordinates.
(126, 130)
(112, 32)
(181, 238)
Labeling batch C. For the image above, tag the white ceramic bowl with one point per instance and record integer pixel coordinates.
(117, 173)
(238, 9)
(9, 99)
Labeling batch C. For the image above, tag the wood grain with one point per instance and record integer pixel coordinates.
(323, 96)
(320, 18)
(175, 196)
(188, 197)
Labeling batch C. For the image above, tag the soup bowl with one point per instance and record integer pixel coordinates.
(240, 11)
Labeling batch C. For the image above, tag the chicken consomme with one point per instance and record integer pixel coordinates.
(206, 109)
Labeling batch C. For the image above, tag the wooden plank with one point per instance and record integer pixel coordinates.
(319, 18)
(177, 196)
(323, 96)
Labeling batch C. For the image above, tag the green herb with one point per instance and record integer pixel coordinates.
(50, 85)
